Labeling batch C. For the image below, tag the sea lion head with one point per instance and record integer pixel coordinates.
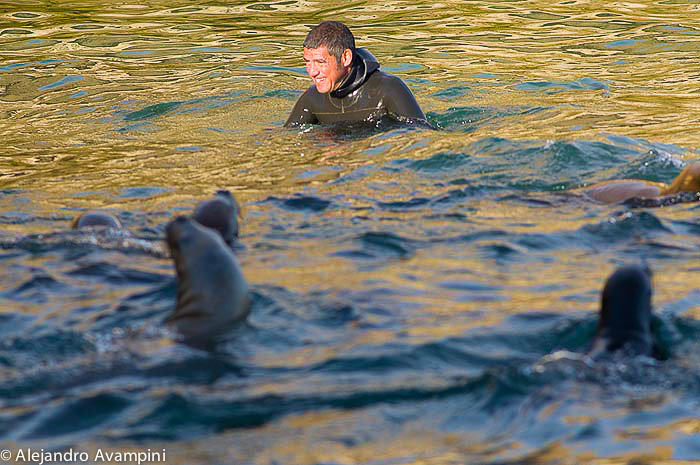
(221, 214)
(212, 293)
(95, 219)
(625, 312)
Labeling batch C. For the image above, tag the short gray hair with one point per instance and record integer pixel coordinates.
(333, 35)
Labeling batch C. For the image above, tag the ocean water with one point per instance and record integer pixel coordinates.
(419, 296)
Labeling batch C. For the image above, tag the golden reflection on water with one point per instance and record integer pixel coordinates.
(645, 55)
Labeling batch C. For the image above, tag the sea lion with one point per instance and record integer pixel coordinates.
(212, 293)
(221, 214)
(620, 191)
(625, 313)
(95, 219)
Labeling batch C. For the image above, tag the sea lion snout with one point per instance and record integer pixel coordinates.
(625, 312)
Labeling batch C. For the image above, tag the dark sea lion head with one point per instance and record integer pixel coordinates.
(625, 312)
(212, 293)
(95, 219)
(221, 214)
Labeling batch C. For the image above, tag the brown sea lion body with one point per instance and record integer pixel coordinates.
(620, 191)
(212, 292)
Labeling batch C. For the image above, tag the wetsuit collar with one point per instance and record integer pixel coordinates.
(363, 65)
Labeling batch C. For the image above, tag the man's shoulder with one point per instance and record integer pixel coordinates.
(380, 75)
(386, 81)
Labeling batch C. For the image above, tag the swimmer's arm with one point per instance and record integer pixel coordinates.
(301, 113)
(401, 103)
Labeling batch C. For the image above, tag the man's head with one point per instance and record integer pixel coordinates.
(328, 53)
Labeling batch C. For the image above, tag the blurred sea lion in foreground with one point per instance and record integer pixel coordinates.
(625, 313)
(221, 214)
(212, 293)
(621, 191)
(95, 219)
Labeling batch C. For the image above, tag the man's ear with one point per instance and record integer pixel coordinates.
(346, 57)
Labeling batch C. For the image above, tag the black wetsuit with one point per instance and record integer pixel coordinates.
(365, 93)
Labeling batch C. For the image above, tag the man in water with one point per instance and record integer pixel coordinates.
(348, 85)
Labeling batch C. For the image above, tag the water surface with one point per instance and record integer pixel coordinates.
(419, 296)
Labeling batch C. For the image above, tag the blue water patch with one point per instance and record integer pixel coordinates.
(189, 149)
(377, 150)
(151, 111)
(142, 193)
(86, 194)
(380, 245)
(185, 107)
(439, 162)
(623, 43)
(12, 192)
(300, 71)
(404, 68)
(650, 167)
(137, 53)
(451, 93)
(305, 203)
(210, 103)
(16, 217)
(486, 76)
(464, 119)
(625, 224)
(65, 81)
(470, 119)
(282, 93)
(145, 126)
(644, 145)
(558, 87)
(79, 94)
(9, 68)
(212, 50)
(496, 164)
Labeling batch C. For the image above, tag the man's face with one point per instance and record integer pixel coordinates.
(324, 69)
